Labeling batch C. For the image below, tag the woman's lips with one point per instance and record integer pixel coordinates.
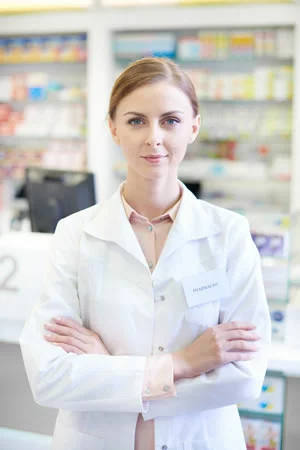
(154, 159)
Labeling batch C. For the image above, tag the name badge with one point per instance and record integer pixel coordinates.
(206, 287)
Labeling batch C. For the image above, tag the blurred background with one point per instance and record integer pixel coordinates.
(58, 62)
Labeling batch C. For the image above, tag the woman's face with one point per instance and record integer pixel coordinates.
(153, 126)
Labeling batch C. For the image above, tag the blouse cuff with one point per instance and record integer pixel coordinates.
(159, 377)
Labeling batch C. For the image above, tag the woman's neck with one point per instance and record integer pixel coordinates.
(151, 198)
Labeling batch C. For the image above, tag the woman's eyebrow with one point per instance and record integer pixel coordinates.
(135, 113)
(169, 113)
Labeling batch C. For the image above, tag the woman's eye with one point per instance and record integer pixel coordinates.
(135, 121)
(171, 121)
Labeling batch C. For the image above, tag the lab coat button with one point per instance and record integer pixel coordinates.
(150, 265)
(150, 228)
(166, 388)
(162, 298)
(161, 349)
(164, 447)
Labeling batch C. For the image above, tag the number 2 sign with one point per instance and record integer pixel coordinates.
(23, 261)
(8, 270)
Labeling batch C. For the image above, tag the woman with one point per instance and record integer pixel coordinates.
(154, 322)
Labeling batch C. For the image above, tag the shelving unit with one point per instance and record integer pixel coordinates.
(101, 24)
(243, 79)
(272, 234)
(42, 104)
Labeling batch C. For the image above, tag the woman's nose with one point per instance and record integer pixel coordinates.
(154, 137)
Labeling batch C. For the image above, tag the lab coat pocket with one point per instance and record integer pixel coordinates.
(205, 314)
(67, 438)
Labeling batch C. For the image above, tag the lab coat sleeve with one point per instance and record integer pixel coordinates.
(66, 380)
(234, 382)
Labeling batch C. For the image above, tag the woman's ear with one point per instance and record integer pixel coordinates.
(195, 128)
(113, 130)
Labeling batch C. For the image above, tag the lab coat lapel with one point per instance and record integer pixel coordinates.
(193, 221)
(112, 224)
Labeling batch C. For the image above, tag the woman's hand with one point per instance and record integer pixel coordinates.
(217, 346)
(72, 337)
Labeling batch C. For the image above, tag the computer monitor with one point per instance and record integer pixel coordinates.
(195, 187)
(55, 194)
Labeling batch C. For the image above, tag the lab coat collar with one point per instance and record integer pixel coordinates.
(193, 221)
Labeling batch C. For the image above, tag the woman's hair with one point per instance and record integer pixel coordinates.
(147, 71)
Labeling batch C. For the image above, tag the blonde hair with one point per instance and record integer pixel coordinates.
(149, 71)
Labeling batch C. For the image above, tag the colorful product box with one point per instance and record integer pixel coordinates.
(7, 53)
(275, 245)
(133, 45)
(19, 87)
(241, 45)
(82, 47)
(66, 50)
(34, 49)
(25, 56)
(189, 48)
(54, 48)
(43, 49)
(16, 48)
(2, 50)
(73, 48)
(262, 434)
(222, 45)
(4, 112)
(278, 314)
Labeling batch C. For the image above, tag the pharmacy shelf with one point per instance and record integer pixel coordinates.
(41, 62)
(248, 101)
(247, 62)
(260, 415)
(9, 140)
(100, 25)
(238, 60)
(204, 137)
(49, 67)
(43, 102)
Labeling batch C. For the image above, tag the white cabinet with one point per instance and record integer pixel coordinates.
(23, 263)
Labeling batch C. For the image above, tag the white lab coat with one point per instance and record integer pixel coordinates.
(99, 276)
